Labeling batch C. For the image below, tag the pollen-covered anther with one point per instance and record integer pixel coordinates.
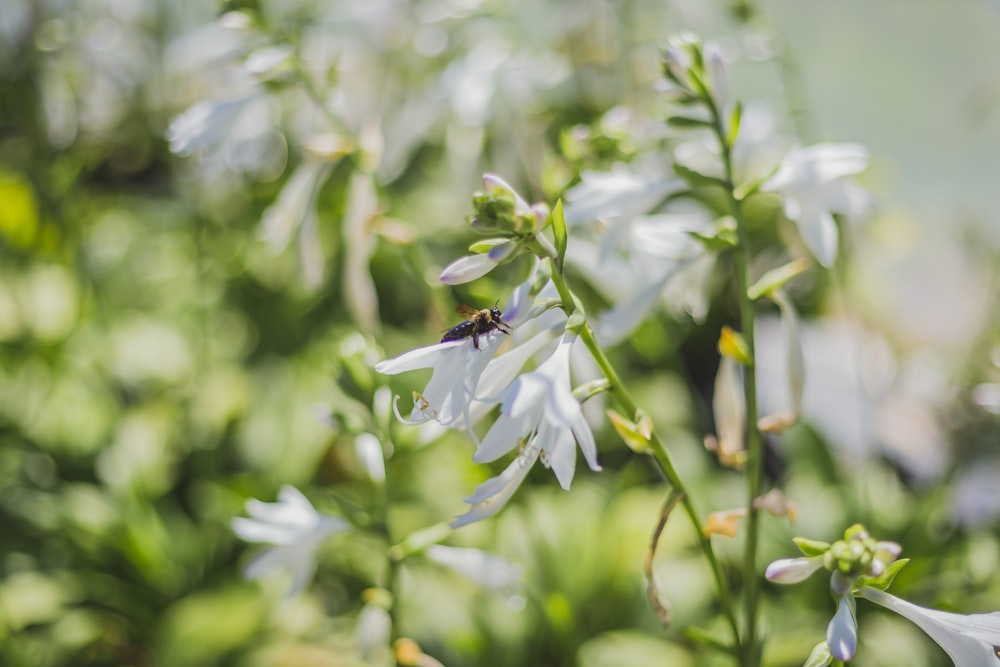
(419, 398)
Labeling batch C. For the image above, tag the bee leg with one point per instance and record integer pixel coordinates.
(475, 339)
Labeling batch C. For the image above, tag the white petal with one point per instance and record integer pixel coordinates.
(373, 630)
(618, 194)
(493, 494)
(359, 243)
(842, 632)
(585, 437)
(729, 406)
(562, 453)
(369, 451)
(250, 530)
(820, 163)
(817, 228)
(466, 269)
(616, 324)
(793, 354)
(667, 235)
(968, 639)
(422, 357)
(284, 216)
(502, 437)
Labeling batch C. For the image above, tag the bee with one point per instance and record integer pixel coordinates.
(477, 323)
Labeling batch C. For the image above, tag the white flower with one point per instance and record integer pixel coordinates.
(288, 211)
(618, 194)
(295, 529)
(369, 451)
(809, 182)
(969, 640)
(540, 415)
(729, 408)
(489, 570)
(457, 366)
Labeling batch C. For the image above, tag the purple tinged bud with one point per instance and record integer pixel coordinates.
(792, 570)
(842, 632)
(500, 252)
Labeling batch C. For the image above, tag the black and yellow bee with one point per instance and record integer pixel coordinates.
(477, 323)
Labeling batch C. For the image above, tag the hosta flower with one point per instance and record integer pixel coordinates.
(457, 366)
(969, 640)
(295, 529)
(810, 183)
(540, 416)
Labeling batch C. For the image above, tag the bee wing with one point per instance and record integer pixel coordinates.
(466, 311)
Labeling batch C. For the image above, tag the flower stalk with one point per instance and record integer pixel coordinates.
(754, 445)
(659, 451)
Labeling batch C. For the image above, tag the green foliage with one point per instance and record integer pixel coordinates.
(162, 354)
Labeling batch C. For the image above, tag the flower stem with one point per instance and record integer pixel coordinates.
(628, 405)
(754, 462)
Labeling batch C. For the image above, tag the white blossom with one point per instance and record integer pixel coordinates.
(457, 366)
(810, 182)
(540, 416)
(295, 529)
(490, 571)
(969, 640)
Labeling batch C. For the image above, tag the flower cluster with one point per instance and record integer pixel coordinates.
(861, 566)
(539, 415)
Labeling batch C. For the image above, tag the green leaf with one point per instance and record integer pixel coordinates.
(558, 221)
(883, 581)
(775, 279)
(734, 123)
(811, 548)
(820, 656)
(687, 122)
(635, 436)
(696, 178)
(484, 246)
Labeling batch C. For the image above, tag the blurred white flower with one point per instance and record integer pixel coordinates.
(373, 630)
(729, 409)
(359, 244)
(617, 195)
(289, 210)
(969, 640)
(540, 416)
(809, 181)
(295, 529)
(664, 264)
(369, 451)
(490, 571)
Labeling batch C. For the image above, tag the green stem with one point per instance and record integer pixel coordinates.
(628, 405)
(754, 464)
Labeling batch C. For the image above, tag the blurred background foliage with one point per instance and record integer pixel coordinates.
(210, 228)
